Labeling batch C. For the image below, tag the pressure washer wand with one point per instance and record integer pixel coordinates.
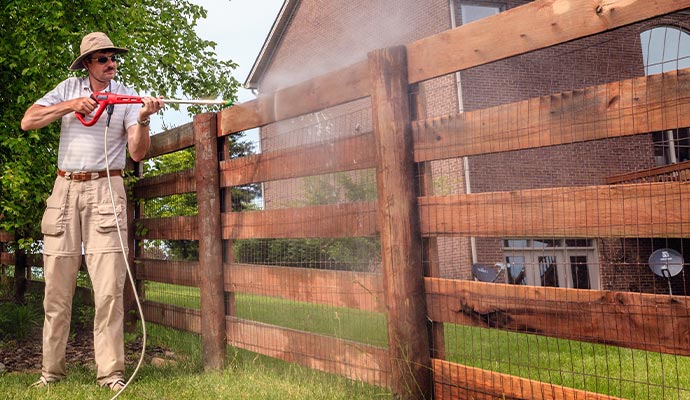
(200, 102)
(105, 99)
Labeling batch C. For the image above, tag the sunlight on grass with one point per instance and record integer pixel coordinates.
(247, 376)
(345, 323)
(612, 370)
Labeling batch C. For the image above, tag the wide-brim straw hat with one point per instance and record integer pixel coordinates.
(91, 43)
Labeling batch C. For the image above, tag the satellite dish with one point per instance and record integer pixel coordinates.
(483, 273)
(666, 262)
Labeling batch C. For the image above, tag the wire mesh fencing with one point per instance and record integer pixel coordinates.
(555, 206)
(548, 224)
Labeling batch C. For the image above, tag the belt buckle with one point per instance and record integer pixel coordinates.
(83, 176)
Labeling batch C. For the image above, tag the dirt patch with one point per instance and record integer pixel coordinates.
(26, 355)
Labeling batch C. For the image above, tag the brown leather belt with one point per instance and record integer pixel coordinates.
(87, 176)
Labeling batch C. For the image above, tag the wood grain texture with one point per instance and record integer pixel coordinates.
(506, 34)
(454, 382)
(649, 210)
(657, 323)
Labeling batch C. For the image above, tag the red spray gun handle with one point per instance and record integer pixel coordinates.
(104, 99)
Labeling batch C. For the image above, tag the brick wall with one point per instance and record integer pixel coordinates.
(324, 35)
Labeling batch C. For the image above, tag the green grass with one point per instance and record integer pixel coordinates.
(345, 323)
(617, 371)
(612, 370)
(247, 376)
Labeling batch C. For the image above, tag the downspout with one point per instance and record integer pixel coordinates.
(671, 147)
(461, 109)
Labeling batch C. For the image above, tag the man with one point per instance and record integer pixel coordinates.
(79, 216)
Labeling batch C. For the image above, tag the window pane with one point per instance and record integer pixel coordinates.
(577, 243)
(665, 49)
(548, 271)
(515, 243)
(579, 272)
(516, 269)
(546, 243)
(470, 12)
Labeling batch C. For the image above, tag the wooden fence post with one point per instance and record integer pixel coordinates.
(401, 245)
(207, 179)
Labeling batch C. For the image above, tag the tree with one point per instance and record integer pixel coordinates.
(39, 40)
(349, 253)
(242, 197)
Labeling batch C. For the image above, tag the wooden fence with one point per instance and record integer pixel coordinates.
(414, 299)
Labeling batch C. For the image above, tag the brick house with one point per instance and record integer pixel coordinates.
(310, 38)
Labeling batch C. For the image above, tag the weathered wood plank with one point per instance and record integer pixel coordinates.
(630, 107)
(6, 258)
(210, 269)
(553, 22)
(353, 360)
(34, 260)
(454, 382)
(6, 236)
(647, 210)
(346, 154)
(185, 273)
(658, 323)
(671, 172)
(360, 290)
(171, 141)
(506, 34)
(165, 185)
(185, 319)
(325, 221)
(328, 90)
(251, 114)
(398, 216)
(171, 228)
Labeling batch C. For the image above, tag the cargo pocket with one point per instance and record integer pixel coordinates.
(107, 223)
(53, 221)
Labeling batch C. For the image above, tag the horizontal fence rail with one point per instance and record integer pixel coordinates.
(612, 209)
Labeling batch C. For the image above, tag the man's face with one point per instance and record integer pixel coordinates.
(101, 65)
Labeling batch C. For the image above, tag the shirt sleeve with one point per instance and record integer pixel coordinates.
(132, 111)
(55, 96)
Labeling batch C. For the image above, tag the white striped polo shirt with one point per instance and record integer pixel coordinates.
(81, 147)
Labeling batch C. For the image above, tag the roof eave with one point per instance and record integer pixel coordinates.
(274, 37)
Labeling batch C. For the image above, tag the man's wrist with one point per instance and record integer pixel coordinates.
(144, 122)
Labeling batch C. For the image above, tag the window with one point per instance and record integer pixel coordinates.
(566, 263)
(671, 146)
(472, 11)
(665, 48)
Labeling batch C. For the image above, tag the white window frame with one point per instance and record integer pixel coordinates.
(531, 252)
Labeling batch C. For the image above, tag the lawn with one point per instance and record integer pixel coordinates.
(612, 370)
(247, 376)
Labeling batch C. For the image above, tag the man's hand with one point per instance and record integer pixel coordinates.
(151, 106)
(83, 105)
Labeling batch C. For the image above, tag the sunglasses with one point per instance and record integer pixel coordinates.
(104, 59)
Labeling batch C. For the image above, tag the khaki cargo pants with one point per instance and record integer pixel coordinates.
(81, 213)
